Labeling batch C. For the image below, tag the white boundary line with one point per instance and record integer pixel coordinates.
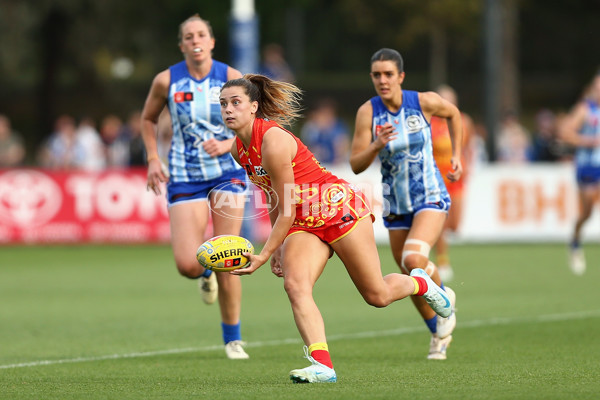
(358, 335)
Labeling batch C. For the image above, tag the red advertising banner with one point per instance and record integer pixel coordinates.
(40, 206)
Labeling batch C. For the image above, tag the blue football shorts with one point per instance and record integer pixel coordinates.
(405, 221)
(588, 175)
(233, 181)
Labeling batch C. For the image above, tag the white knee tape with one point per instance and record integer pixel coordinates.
(430, 269)
(424, 247)
(424, 250)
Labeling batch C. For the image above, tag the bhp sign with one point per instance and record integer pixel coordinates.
(505, 203)
(49, 206)
(523, 203)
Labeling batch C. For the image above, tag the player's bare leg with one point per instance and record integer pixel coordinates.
(303, 260)
(411, 251)
(227, 212)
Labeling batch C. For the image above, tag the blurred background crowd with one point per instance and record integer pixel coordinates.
(74, 75)
(87, 144)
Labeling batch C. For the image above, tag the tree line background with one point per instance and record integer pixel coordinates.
(59, 56)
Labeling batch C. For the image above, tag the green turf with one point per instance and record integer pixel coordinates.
(117, 322)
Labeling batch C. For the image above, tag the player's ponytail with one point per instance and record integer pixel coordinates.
(277, 101)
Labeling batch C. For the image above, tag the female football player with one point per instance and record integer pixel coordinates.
(442, 153)
(199, 161)
(313, 213)
(581, 128)
(395, 126)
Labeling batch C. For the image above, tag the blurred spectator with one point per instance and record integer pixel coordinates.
(116, 144)
(565, 151)
(478, 150)
(88, 138)
(545, 146)
(325, 134)
(274, 64)
(62, 150)
(12, 149)
(513, 141)
(133, 132)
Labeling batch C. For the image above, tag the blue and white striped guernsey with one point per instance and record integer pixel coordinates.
(590, 156)
(196, 117)
(409, 173)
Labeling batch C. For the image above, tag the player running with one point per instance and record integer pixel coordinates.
(394, 126)
(313, 214)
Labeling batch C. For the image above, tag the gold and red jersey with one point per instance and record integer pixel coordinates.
(307, 170)
(322, 199)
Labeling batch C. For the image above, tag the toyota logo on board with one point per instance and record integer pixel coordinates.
(28, 198)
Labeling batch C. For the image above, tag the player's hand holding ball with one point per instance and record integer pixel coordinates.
(225, 253)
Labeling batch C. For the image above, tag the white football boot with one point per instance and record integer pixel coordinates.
(437, 347)
(446, 272)
(235, 350)
(209, 288)
(577, 261)
(436, 298)
(445, 326)
(316, 373)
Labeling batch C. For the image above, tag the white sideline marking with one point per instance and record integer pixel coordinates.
(368, 334)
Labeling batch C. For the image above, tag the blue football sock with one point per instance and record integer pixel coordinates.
(432, 324)
(231, 332)
(206, 273)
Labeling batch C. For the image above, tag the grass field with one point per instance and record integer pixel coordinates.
(117, 322)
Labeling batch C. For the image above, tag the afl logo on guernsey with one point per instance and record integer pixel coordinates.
(413, 124)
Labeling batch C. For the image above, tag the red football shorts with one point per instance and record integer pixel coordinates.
(330, 211)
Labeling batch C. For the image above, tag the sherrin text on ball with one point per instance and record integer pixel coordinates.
(224, 253)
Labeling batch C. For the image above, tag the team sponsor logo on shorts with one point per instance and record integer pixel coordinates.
(345, 224)
(347, 218)
(239, 182)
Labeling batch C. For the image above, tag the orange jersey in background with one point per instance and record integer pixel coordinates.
(442, 151)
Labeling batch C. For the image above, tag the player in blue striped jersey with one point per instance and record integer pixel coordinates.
(395, 126)
(582, 129)
(202, 178)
